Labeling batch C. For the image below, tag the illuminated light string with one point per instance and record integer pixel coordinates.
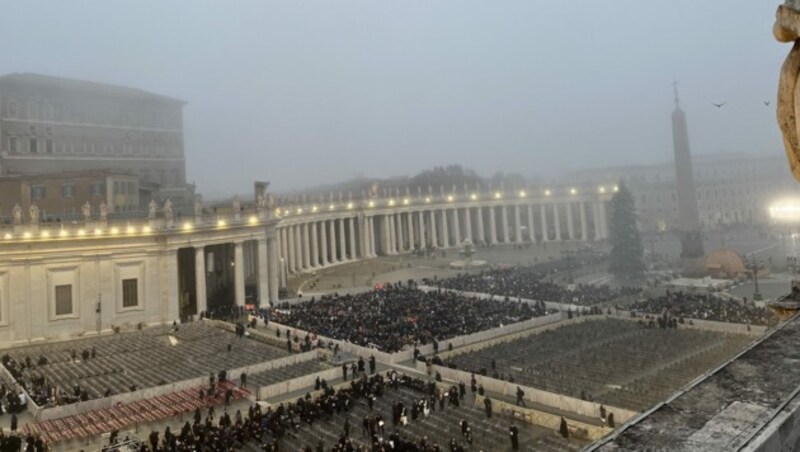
(784, 210)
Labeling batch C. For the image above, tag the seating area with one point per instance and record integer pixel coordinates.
(531, 282)
(439, 427)
(66, 372)
(703, 306)
(612, 361)
(286, 373)
(121, 416)
(395, 317)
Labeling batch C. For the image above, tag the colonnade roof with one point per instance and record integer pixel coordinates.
(309, 207)
(141, 227)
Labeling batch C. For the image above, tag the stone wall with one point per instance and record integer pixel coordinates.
(558, 401)
(531, 416)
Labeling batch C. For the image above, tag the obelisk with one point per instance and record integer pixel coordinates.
(692, 255)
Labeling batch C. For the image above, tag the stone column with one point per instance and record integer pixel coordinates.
(387, 235)
(314, 246)
(282, 244)
(456, 227)
(531, 228)
(445, 230)
(492, 226)
(332, 241)
(392, 239)
(603, 220)
(263, 274)
(422, 242)
(596, 220)
(481, 232)
(583, 221)
(366, 231)
(398, 232)
(545, 230)
(298, 243)
(504, 223)
(518, 223)
(352, 224)
(371, 245)
(169, 280)
(468, 224)
(557, 222)
(342, 240)
(306, 248)
(200, 279)
(434, 238)
(323, 239)
(238, 272)
(410, 225)
(570, 225)
(290, 247)
(272, 265)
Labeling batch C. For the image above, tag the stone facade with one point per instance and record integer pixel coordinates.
(152, 270)
(61, 196)
(51, 124)
(732, 188)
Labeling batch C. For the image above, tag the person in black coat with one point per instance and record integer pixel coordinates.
(513, 433)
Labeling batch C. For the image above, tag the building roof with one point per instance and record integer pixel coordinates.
(32, 79)
(733, 407)
(66, 175)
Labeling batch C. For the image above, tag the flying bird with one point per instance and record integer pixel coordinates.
(719, 105)
(766, 102)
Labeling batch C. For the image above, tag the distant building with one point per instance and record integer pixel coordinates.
(731, 188)
(51, 125)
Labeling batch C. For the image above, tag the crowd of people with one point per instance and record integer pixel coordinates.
(532, 283)
(399, 316)
(267, 428)
(703, 306)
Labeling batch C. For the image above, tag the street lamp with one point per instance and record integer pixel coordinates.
(754, 265)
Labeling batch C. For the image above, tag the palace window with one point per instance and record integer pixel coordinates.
(48, 145)
(38, 192)
(68, 191)
(97, 189)
(12, 108)
(130, 293)
(63, 299)
(32, 146)
(12, 144)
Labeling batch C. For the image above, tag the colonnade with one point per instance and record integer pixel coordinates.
(313, 241)
(263, 259)
(151, 272)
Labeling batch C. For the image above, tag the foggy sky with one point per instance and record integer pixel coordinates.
(303, 93)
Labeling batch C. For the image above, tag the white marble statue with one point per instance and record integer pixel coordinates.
(198, 206)
(16, 212)
(167, 210)
(103, 211)
(34, 214)
(153, 209)
(87, 211)
(261, 202)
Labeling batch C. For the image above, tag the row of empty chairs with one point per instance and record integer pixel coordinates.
(612, 361)
(143, 359)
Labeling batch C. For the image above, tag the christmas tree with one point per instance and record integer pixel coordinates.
(627, 252)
